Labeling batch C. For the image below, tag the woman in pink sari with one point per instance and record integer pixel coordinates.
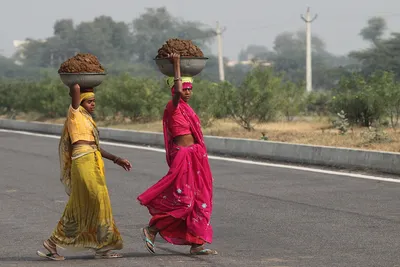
(181, 202)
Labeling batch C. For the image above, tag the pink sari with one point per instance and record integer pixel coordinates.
(181, 202)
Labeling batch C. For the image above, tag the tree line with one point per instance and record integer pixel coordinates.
(129, 47)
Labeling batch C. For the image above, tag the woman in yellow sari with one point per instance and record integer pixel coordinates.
(87, 221)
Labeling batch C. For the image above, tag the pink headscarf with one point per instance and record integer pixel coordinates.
(187, 83)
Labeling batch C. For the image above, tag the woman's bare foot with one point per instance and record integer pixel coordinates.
(107, 255)
(51, 247)
(149, 236)
(200, 250)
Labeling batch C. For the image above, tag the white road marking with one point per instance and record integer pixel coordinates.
(250, 162)
(11, 191)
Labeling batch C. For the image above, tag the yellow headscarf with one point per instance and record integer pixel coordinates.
(170, 81)
(86, 95)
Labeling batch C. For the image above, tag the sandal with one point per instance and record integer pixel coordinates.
(107, 255)
(50, 256)
(53, 255)
(148, 243)
(203, 251)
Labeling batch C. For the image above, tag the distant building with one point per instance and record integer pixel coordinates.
(233, 63)
(250, 61)
(19, 47)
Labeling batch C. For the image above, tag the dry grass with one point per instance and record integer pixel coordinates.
(306, 131)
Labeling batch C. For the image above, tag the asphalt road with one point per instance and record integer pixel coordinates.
(263, 216)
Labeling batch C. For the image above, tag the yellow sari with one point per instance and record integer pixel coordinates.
(87, 221)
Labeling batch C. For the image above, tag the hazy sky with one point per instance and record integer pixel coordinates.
(247, 21)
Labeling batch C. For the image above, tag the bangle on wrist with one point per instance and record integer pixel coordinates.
(177, 79)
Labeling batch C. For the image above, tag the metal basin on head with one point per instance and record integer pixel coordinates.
(85, 80)
(190, 66)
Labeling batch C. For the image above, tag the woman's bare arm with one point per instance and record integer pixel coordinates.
(175, 58)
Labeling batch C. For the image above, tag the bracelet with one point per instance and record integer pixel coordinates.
(116, 159)
(177, 79)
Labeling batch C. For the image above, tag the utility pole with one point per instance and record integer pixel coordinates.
(51, 59)
(220, 54)
(218, 33)
(308, 22)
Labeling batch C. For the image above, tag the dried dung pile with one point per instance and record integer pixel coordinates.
(81, 63)
(185, 48)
